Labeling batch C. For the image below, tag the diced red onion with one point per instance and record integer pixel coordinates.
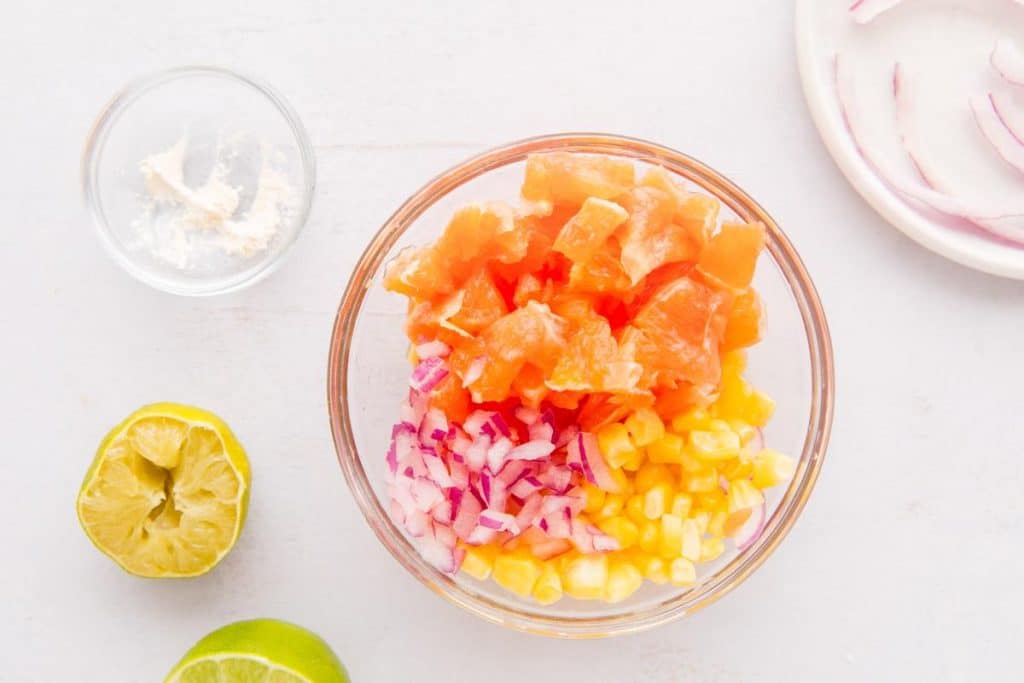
(499, 423)
(499, 521)
(557, 524)
(498, 452)
(527, 416)
(1008, 61)
(542, 431)
(602, 541)
(566, 436)
(863, 11)
(416, 523)
(466, 516)
(525, 486)
(476, 454)
(997, 132)
(426, 493)
(434, 426)
(473, 372)
(751, 530)
(436, 550)
(558, 478)
(531, 450)
(481, 535)
(433, 349)
(584, 451)
(529, 512)
(1007, 224)
(392, 459)
(428, 374)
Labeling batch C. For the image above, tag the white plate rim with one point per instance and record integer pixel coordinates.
(822, 103)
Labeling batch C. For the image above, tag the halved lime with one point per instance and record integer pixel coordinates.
(167, 493)
(260, 650)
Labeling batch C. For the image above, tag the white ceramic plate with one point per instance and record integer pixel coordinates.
(944, 46)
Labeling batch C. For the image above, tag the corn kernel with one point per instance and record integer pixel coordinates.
(705, 480)
(711, 549)
(714, 445)
(479, 560)
(613, 505)
(671, 537)
(702, 519)
(718, 425)
(650, 475)
(712, 501)
(585, 577)
(716, 527)
(690, 462)
(745, 431)
(634, 461)
(613, 440)
(681, 505)
(623, 530)
(595, 498)
(682, 572)
(771, 468)
(623, 484)
(548, 588)
(758, 409)
(650, 536)
(516, 572)
(743, 494)
(657, 501)
(667, 449)
(623, 580)
(655, 569)
(695, 419)
(635, 509)
(645, 427)
(691, 539)
(740, 468)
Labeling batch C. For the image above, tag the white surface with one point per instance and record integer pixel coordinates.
(906, 563)
(944, 50)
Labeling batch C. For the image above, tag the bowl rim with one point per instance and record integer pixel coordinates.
(107, 119)
(702, 594)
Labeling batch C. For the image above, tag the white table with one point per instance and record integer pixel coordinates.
(906, 563)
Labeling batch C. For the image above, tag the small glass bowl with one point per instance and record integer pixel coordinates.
(368, 372)
(207, 105)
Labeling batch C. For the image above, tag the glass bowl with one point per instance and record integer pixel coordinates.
(368, 373)
(228, 124)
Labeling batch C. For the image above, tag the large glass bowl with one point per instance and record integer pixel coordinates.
(368, 373)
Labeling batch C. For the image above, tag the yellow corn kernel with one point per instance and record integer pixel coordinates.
(743, 494)
(702, 519)
(691, 538)
(635, 509)
(657, 501)
(698, 482)
(716, 527)
(734, 362)
(740, 468)
(613, 505)
(714, 445)
(650, 536)
(585, 577)
(516, 572)
(682, 572)
(634, 461)
(771, 468)
(718, 425)
(595, 498)
(650, 475)
(654, 568)
(667, 450)
(623, 580)
(645, 427)
(681, 505)
(745, 431)
(548, 588)
(695, 419)
(671, 537)
(623, 530)
(613, 440)
(711, 548)
(623, 484)
(479, 560)
(758, 409)
(690, 462)
(712, 501)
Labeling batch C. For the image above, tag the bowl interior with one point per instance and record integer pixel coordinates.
(224, 118)
(789, 365)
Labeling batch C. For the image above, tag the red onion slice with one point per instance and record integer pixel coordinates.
(526, 486)
(428, 374)
(751, 530)
(998, 134)
(499, 452)
(530, 511)
(584, 452)
(531, 450)
(863, 11)
(1006, 224)
(433, 349)
(499, 521)
(473, 372)
(1008, 61)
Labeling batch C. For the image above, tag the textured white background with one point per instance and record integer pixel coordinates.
(906, 563)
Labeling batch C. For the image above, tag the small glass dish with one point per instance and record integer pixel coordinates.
(222, 120)
(368, 373)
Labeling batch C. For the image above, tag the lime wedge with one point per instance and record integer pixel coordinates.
(167, 493)
(261, 650)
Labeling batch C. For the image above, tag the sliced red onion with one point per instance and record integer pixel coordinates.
(476, 454)
(498, 452)
(481, 535)
(426, 493)
(531, 450)
(436, 550)
(542, 431)
(466, 515)
(557, 524)
(499, 521)
(574, 504)
(442, 512)
(1008, 61)
(428, 374)
(392, 459)
(998, 134)
(751, 530)
(433, 349)
(514, 470)
(1006, 224)
(863, 11)
(530, 511)
(416, 523)
(473, 372)
(558, 478)
(459, 474)
(499, 423)
(602, 541)
(525, 486)
(434, 426)
(437, 471)
(566, 436)
(584, 452)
